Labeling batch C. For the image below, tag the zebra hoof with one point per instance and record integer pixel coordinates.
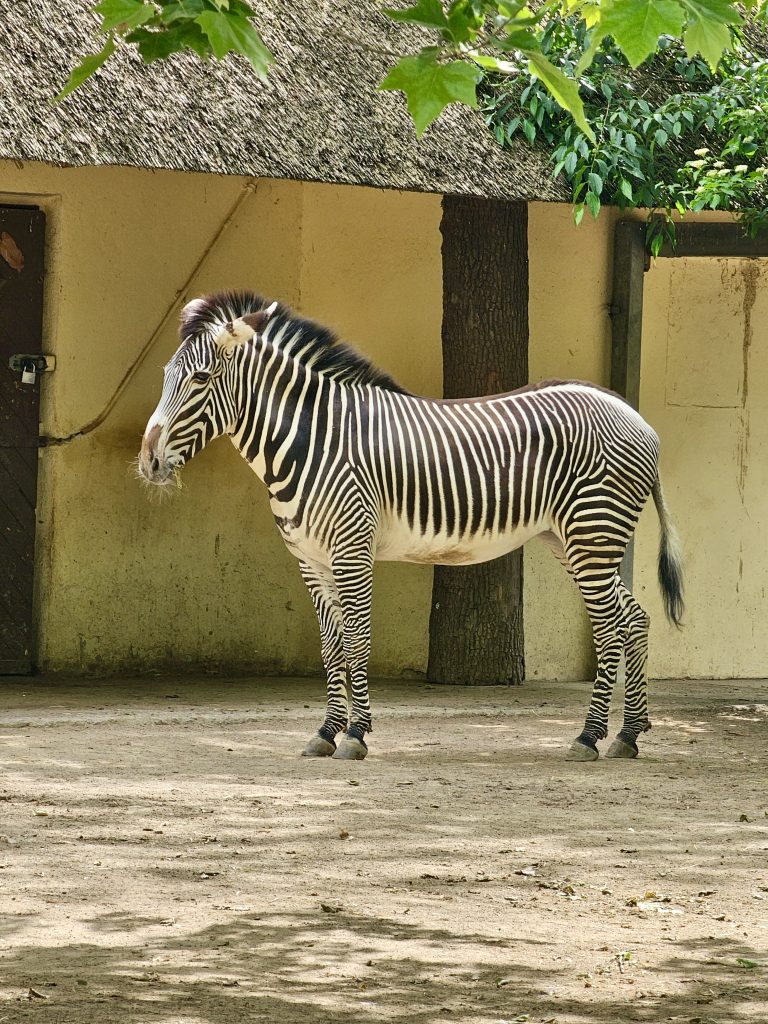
(581, 752)
(351, 750)
(318, 746)
(621, 749)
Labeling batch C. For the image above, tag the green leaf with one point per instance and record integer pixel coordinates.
(86, 68)
(429, 87)
(626, 189)
(227, 32)
(595, 38)
(425, 12)
(709, 38)
(564, 89)
(637, 24)
(578, 214)
(160, 45)
(723, 11)
(512, 127)
(593, 202)
(463, 21)
(124, 14)
(519, 39)
(181, 10)
(595, 183)
(504, 67)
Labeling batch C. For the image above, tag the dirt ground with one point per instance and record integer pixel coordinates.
(166, 856)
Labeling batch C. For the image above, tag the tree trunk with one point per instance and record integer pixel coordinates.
(476, 621)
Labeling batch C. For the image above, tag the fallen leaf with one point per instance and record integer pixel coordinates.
(343, 834)
(328, 908)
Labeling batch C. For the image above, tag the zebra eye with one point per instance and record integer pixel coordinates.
(201, 376)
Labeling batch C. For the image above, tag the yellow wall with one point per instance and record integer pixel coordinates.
(705, 389)
(128, 583)
(570, 283)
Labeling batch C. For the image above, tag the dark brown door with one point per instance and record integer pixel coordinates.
(22, 236)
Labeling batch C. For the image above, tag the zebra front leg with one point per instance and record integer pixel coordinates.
(600, 593)
(354, 580)
(636, 718)
(325, 598)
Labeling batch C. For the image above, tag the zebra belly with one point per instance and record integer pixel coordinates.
(399, 543)
(305, 547)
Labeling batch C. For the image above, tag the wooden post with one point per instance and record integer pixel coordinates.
(629, 265)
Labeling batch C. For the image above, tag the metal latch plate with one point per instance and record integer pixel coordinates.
(40, 362)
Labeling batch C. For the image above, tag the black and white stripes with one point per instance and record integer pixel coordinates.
(359, 469)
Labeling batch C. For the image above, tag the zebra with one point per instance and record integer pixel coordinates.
(359, 469)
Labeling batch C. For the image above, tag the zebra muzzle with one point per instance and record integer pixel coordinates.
(154, 466)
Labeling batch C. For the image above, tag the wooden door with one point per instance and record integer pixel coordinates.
(22, 237)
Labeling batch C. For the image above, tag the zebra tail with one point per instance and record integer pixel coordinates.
(670, 560)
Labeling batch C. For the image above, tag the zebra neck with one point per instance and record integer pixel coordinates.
(275, 426)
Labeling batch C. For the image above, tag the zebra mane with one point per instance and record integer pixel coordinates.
(310, 343)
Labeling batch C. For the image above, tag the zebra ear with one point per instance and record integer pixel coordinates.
(238, 332)
(258, 320)
(192, 309)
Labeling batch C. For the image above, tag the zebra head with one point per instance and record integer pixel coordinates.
(200, 398)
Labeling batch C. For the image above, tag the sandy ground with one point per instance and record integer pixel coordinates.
(166, 856)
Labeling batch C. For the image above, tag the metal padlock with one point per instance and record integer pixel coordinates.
(29, 373)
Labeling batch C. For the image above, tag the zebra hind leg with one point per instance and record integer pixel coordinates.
(602, 611)
(636, 718)
(326, 601)
(599, 588)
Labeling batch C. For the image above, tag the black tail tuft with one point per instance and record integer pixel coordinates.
(670, 560)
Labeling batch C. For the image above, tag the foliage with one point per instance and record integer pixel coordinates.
(158, 28)
(510, 36)
(469, 37)
(675, 136)
(688, 131)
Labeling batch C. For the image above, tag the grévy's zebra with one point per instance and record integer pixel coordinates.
(359, 469)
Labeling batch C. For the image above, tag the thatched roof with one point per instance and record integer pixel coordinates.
(319, 117)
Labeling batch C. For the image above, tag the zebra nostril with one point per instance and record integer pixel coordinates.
(155, 464)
